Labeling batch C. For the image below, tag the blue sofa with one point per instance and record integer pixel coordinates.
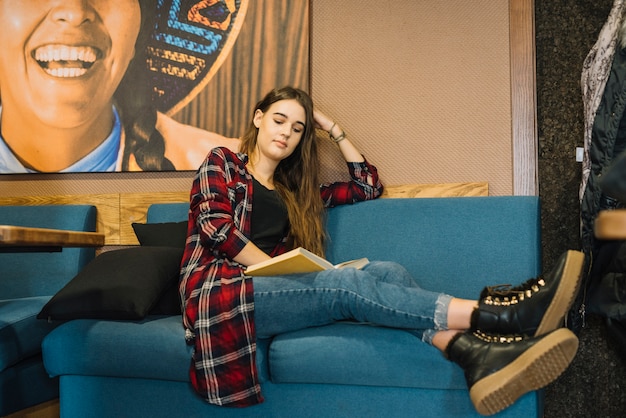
(27, 281)
(457, 245)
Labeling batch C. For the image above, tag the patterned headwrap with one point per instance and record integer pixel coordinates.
(189, 42)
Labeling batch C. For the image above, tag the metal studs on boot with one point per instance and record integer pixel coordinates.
(500, 369)
(536, 307)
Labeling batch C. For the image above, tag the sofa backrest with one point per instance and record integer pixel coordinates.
(167, 212)
(455, 245)
(44, 273)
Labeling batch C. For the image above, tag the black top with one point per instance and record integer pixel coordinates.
(269, 221)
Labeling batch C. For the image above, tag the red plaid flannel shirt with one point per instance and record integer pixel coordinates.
(218, 297)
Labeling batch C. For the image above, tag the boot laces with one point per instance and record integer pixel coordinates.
(498, 339)
(506, 294)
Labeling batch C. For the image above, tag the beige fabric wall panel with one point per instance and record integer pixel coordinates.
(422, 86)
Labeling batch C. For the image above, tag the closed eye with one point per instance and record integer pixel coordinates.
(297, 127)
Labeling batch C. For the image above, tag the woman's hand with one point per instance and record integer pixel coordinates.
(250, 254)
(336, 134)
(322, 121)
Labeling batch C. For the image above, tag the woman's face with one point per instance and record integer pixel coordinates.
(62, 60)
(280, 129)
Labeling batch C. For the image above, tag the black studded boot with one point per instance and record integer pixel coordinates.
(500, 369)
(536, 307)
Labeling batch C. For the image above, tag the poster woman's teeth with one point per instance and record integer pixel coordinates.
(66, 61)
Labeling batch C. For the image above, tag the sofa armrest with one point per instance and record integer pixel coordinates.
(44, 273)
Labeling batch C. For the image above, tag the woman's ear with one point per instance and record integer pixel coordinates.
(258, 115)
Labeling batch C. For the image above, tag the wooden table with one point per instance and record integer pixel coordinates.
(29, 239)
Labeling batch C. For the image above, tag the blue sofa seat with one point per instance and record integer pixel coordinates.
(458, 245)
(27, 281)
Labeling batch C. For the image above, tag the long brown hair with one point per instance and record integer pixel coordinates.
(133, 99)
(296, 177)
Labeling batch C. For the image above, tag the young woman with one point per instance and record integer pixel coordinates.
(249, 206)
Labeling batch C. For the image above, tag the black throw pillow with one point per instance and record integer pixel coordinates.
(169, 302)
(118, 284)
(166, 234)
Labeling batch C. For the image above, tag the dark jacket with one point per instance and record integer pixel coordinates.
(604, 100)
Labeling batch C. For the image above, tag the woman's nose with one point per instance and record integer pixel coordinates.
(286, 129)
(73, 12)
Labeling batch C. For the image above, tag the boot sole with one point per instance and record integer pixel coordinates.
(537, 367)
(564, 295)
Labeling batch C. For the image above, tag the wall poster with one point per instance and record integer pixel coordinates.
(148, 85)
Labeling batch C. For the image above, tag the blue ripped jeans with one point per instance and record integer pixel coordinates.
(382, 293)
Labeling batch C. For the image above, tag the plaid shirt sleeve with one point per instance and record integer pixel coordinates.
(219, 203)
(365, 185)
(218, 298)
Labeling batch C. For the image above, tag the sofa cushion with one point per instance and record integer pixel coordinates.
(360, 354)
(153, 348)
(119, 284)
(21, 333)
(162, 234)
(345, 354)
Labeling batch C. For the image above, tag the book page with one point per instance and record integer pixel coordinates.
(296, 261)
(358, 264)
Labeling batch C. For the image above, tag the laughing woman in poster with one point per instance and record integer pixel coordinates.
(74, 93)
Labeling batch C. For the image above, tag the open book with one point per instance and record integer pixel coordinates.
(298, 260)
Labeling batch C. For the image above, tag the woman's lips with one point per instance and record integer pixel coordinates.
(66, 61)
